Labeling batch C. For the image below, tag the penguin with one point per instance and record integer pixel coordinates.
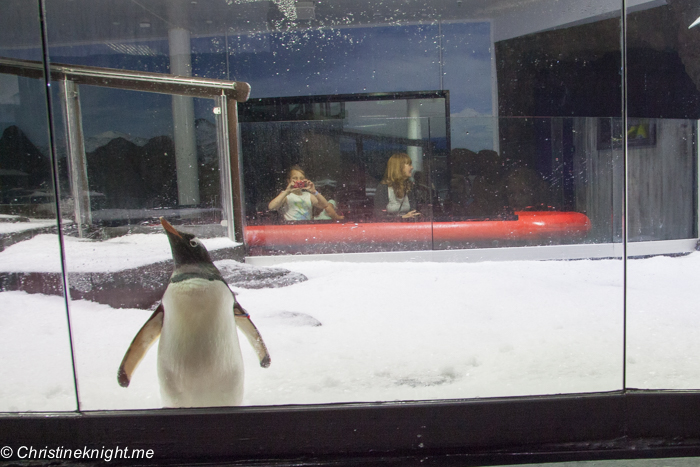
(199, 357)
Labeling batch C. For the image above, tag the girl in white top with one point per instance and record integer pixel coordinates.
(296, 202)
(393, 199)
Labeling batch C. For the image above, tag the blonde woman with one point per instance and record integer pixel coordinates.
(393, 197)
(296, 202)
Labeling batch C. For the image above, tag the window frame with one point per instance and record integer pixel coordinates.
(495, 431)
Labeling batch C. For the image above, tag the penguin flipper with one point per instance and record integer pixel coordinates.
(139, 346)
(245, 324)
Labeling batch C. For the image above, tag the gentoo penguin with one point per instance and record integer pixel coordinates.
(199, 358)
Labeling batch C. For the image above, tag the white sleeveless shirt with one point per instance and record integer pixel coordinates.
(397, 205)
(297, 207)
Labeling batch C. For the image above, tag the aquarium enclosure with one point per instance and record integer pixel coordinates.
(525, 173)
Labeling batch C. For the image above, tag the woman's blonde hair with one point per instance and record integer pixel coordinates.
(394, 176)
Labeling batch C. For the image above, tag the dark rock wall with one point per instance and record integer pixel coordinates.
(132, 176)
(575, 71)
(17, 152)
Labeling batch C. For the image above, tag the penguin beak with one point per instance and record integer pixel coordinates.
(169, 228)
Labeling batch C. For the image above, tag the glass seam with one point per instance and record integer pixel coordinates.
(57, 199)
(623, 71)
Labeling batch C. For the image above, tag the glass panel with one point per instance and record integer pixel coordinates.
(555, 181)
(346, 154)
(36, 371)
(138, 169)
(141, 163)
(662, 171)
(522, 86)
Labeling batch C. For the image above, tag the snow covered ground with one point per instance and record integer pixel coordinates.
(8, 225)
(378, 331)
(41, 254)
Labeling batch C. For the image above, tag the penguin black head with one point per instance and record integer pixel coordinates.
(186, 248)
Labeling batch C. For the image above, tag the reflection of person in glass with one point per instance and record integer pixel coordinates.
(393, 195)
(322, 214)
(296, 202)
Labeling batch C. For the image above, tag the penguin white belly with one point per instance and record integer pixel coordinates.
(199, 357)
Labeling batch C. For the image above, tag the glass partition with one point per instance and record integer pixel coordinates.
(35, 354)
(555, 181)
(345, 151)
(662, 264)
(473, 343)
(510, 116)
(662, 177)
(128, 159)
(138, 168)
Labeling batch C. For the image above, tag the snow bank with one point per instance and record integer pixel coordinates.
(41, 253)
(388, 331)
(14, 227)
(35, 363)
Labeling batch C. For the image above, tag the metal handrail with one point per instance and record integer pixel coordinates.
(129, 79)
(225, 92)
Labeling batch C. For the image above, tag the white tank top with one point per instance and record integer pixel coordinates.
(297, 207)
(397, 205)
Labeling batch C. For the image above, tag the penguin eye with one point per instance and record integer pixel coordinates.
(194, 243)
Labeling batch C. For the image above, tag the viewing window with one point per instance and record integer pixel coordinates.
(497, 198)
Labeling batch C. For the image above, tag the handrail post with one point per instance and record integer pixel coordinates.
(77, 162)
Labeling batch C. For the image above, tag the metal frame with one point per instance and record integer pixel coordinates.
(358, 97)
(497, 431)
(229, 93)
(132, 80)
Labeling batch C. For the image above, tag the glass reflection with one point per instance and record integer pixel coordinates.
(138, 168)
(662, 157)
(521, 120)
(563, 193)
(554, 181)
(345, 152)
(36, 371)
(662, 220)
(135, 164)
(347, 166)
(562, 303)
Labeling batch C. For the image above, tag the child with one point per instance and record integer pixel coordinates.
(296, 202)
